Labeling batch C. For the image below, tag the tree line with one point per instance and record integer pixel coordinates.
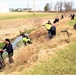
(60, 6)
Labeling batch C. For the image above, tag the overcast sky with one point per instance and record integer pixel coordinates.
(39, 4)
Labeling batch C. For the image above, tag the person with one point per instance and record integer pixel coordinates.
(48, 26)
(53, 31)
(56, 20)
(9, 49)
(62, 17)
(72, 16)
(74, 27)
(26, 39)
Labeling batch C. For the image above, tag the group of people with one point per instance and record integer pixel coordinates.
(9, 49)
(51, 33)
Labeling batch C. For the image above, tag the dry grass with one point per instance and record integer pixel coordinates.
(24, 57)
(12, 28)
(42, 49)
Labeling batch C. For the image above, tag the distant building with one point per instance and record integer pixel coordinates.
(4, 7)
(20, 9)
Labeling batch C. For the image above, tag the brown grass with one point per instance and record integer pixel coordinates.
(24, 57)
(42, 49)
(11, 28)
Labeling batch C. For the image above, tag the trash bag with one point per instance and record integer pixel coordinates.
(2, 64)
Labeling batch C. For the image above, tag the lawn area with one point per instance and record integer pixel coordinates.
(13, 15)
(64, 63)
(71, 22)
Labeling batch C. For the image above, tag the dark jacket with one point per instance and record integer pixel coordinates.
(24, 36)
(8, 48)
(53, 28)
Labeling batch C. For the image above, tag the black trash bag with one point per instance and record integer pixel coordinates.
(2, 64)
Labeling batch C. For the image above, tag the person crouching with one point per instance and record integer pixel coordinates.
(26, 39)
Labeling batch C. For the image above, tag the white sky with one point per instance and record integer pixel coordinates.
(39, 4)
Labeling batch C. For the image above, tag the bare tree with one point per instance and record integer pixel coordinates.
(59, 6)
(68, 6)
(56, 7)
(51, 6)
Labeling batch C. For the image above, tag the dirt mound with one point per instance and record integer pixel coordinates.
(39, 35)
(24, 54)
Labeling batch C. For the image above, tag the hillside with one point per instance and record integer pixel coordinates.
(44, 56)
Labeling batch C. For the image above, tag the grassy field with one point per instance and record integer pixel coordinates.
(64, 63)
(13, 15)
(71, 22)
